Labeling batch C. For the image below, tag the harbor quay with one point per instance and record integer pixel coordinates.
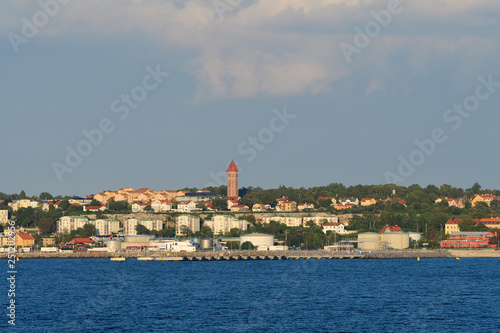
(243, 255)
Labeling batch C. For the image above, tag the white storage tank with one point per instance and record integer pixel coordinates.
(258, 239)
(113, 245)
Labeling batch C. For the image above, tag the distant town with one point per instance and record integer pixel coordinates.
(331, 218)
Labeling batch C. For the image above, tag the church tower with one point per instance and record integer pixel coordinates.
(232, 181)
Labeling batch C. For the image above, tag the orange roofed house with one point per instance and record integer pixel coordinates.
(391, 228)
(486, 198)
(24, 240)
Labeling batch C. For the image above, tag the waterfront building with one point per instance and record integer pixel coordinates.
(48, 241)
(24, 240)
(471, 239)
(190, 221)
(232, 181)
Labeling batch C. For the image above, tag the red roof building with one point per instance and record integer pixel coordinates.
(391, 228)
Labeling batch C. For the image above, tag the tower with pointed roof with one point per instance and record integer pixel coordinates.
(232, 180)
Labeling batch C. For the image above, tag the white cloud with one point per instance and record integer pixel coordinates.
(277, 47)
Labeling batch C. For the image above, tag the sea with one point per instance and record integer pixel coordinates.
(348, 295)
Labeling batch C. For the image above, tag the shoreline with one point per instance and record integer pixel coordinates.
(263, 255)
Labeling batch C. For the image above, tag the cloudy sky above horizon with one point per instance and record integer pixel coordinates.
(291, 90)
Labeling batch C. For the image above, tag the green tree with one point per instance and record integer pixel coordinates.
(94, 202)
(22, 195)
(186, 231)
(201, 206)
(64, 204)
(142, 230)
(88, 230)
(247, 246)
(46, 226)
(476, 188)
(46, 196)
(495, 203)
(467, 224)
(206, 231)
(219, 204)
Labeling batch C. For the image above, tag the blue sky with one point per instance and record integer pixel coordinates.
(233, 67)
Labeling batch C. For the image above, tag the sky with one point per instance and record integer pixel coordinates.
(100, 95)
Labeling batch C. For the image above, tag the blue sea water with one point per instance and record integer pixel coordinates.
(402, 295)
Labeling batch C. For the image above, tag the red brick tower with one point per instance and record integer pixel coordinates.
(232, 180)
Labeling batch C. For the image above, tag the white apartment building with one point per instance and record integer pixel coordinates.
(130, 224)
(70, 223)
(192, 222)
(106, 226)
(221, 224)
(288, 220)
(318, 220)
(23, 203)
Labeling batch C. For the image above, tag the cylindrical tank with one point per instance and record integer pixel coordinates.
(114, 245)
(258, 239)
(396, 240)
(369, 241)
(206, 243)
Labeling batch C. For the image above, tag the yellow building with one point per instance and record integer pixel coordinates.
(451, 226)
(486, 198)
(48, 241)
(24, 240)
(368, 202)
(287, 206)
